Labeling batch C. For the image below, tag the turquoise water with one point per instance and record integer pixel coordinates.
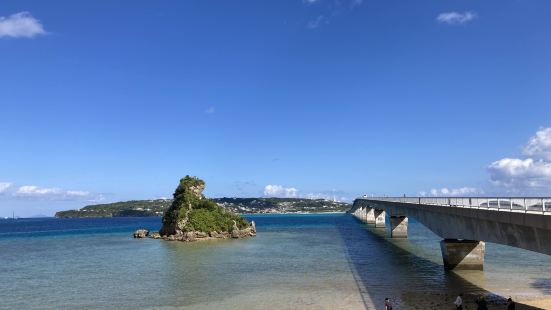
(295, 262)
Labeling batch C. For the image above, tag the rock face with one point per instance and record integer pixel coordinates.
(141, 233)
(193, 217)
(188, 193)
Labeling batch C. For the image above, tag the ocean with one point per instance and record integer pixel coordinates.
(314, 261)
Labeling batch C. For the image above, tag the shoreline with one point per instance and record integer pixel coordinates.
(411, 300)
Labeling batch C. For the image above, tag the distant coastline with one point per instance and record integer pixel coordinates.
(245, 206)
(296, 213)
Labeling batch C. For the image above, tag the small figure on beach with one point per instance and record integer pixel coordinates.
(481, 304)
(388, 304)
(459, 301)
(510, 304)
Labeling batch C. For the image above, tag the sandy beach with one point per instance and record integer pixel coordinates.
(442, 301)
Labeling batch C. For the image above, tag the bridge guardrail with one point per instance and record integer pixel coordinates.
(513, 204)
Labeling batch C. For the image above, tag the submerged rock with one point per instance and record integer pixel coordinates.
(156, 235)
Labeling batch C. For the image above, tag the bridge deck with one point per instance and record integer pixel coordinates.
(537, 205)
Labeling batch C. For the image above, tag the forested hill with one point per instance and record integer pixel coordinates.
(238, 205)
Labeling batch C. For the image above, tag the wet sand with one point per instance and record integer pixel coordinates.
(442, 301)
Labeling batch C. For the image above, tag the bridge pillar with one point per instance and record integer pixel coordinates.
(398, 227)
(360, 213)
(370, 215)
(379, 218)
(356, 212)
(463, 254)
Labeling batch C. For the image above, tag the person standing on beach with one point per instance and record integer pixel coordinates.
(458, 302)
(388, 305)
(510, 304)
(481, 304)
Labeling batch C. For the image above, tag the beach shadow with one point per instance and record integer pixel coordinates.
(384, 268)
(544, 285)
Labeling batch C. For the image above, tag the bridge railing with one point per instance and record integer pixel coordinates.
(513, 204)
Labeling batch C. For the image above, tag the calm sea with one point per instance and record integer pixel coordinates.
(296, 262)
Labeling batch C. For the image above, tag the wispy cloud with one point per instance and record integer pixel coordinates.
(328, 195)
(54, 193)
(456, 18)
(354, 3)
(280, 191)
(461, 191)
(4, 186)
(292, 192)
(20, 25)
(329, 10)
(531, 174)
(244, 187)
(316, 22)
(210, 110)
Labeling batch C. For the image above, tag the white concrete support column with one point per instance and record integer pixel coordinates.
(359, 213)
(370, 216)
(398, 227)
(380, 218)
(463, 254)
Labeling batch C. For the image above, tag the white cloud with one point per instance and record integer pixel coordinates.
(315, 23)
(539, 146)
(77, 193)
(20, 25)
(327, 196)
(451, 192)
(4, 186)
(520, 174)
(280, 191)
(291, 192)
(210, 110)
(456, 18)
(311, 1)
(526, 175)
(53, 193)
(31, 190)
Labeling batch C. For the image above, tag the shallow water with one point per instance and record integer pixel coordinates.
(295, 262)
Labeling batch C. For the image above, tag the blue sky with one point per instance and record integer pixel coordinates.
(116, 100)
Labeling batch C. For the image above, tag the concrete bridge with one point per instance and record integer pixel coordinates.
(464, 223)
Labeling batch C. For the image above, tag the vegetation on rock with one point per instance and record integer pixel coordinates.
(214, 220)
(190, 211)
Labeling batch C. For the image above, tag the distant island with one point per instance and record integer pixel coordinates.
(157, 207)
